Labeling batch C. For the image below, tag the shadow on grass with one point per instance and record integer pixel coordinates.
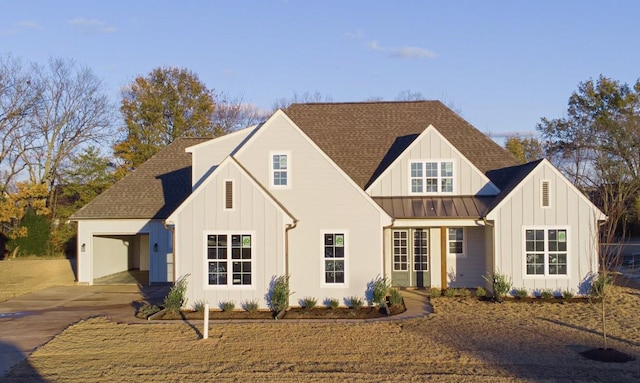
(14, 367)
(590, 331)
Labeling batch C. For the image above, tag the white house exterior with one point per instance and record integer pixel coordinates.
(334, 195)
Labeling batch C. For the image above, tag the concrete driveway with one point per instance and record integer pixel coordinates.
(31, 320)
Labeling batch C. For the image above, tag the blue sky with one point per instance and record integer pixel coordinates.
(504, 64)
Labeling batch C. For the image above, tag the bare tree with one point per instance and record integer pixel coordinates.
(18, 98)
(306, 97)
(232, 113)
(72, 111)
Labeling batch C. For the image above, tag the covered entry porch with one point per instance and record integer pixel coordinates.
(437, 242)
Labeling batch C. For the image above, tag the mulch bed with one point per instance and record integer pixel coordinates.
(292, 313)
(608, 355)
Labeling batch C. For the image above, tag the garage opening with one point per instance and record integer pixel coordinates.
(121, 259)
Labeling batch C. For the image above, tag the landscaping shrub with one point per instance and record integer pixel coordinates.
(450, 292)
(521, 292)
(381, 286)
(309, 302)
(227, 306)
(568, 294)
(546, 294)
(395, 298)
(175, 299)
(481, 292)
(250, 306)
(279, 294)
(199, 306)
(355, 302)
(464, 293)
(501, 284)
(332, 303)
(435, 292)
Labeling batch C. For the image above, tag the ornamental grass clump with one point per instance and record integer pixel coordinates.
(250, 306)
(227, 306)
(332, 303)
(521, 292)
(568, 294)
(395, 298)
(435, 292)
(381, 286)
(355, 302)
(198, 306)
(546, 294)
(309, 302)
(481, 292)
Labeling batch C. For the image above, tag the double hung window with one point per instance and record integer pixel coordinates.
(546, 251)
(428, 177)
(334, 258)
(229, 259)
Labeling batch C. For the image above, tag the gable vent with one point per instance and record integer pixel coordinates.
(228, 194)
(544, 193)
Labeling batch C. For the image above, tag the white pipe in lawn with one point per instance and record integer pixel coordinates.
(205, 332)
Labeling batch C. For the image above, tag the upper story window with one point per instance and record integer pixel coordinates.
(280, 165)
(431, 177)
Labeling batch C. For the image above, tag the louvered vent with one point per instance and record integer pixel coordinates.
(228, 194)
(544, 194)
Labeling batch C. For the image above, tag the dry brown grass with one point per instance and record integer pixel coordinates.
(464, 341)
(22, 276)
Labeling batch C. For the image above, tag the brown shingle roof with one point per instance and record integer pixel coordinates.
(152, 191)
(364, 138)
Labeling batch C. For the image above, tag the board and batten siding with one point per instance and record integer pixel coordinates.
(431, 145)
(324, 201)
(468, 271)
(568, 209)
(211, 153)
(253, 213)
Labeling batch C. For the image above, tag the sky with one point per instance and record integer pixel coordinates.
(503, 64)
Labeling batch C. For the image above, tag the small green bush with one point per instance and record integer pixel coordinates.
(355, 302)
(435, 292)
(464, 293)
(521, 292)
(199, 305)
(395, 298)
(381, 286)
(250, 306)
(332, 303)
(481, 292)
(175, 299)
(450, 292)
(148, 310)
(309, 302)
(227, 306)
(500, 283)
(568, 294)
(546, 294)
(280, 293)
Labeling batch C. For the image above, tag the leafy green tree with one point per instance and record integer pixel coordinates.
(524, 149)
(158, 108)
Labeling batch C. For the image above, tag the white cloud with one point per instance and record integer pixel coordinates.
(29, 24)
(92, 25)
(403, 52)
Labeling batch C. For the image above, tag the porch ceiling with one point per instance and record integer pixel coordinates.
(435, 207)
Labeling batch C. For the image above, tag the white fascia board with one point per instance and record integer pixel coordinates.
(402, 156)
(238, 134)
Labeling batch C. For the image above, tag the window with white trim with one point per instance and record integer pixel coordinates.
(400, 250)
(229, 259)
(280, 170)
(455, 241)
(334, 258)
(545, 251)
(430, 177)
(420, 250)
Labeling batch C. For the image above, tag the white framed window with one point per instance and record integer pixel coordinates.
(280, 165)
(229, 259)
(228, 195)
(545, 194)
(431, 177)
(400, 250)
(546, 251)
(334, 257)
(455, 242)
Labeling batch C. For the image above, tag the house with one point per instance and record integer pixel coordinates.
(334, 195)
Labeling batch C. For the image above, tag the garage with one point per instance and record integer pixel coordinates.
(121, 258)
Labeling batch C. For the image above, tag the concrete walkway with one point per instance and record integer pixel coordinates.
(29, 321)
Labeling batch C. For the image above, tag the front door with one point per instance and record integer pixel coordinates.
(410, 258)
